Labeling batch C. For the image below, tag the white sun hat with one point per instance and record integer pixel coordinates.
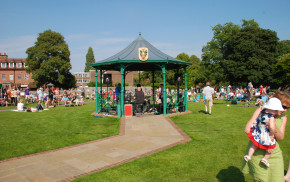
(274, 104)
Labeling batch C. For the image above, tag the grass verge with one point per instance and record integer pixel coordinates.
(25, 133)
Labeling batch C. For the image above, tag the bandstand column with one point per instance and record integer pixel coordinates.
(164, 90)
(122, 90)
(101, 89)
(153, 93)
(185, 89)
(97, 93)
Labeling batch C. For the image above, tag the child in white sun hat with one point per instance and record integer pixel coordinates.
(262, 132)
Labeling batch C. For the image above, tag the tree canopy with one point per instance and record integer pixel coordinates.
(240, 54)
(282, 76)
(48, 60)
(89, 59)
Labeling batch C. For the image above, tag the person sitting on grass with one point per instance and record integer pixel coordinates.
(92, 97)
(264, 97)
(74, 100)
(82, 100)
(262, 133)
(65, 100)
(20, 106)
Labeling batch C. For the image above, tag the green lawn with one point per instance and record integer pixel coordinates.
(24, 133)
(214, 154)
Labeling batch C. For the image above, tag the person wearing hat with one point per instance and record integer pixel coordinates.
(262, 132)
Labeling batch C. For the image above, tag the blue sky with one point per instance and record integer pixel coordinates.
(110, 25)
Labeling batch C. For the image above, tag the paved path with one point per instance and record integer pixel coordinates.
(139, 136)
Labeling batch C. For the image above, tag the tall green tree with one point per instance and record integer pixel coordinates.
(213, 54)
(250, 55)
(89, 59)
(48, 60)
(240, 54)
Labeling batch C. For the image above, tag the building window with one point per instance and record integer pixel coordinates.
(18, 76)
(3, 77)
(11, 65)
(85, 75)
(26, 76)
(11, 77)
(18, 65)
(3, 65)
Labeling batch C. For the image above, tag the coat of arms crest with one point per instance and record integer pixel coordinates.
(143, 53)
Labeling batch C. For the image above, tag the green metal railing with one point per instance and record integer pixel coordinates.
(175, 102)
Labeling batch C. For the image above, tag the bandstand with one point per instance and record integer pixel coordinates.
(140, 55)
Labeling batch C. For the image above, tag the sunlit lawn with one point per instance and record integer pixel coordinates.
(24, 133)
(214, 154)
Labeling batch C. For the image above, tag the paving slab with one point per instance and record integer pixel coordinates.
(139, 137)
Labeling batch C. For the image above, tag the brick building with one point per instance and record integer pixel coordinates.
(13, 73)
(83, 78)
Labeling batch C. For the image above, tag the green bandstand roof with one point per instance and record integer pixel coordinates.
(129, 57)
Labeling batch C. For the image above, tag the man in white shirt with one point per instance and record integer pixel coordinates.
(208, 93)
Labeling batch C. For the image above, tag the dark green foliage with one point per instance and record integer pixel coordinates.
(89, 60)
(250, 55)
(49, 61)
(284, 47)
(240, 54)
(282, 74)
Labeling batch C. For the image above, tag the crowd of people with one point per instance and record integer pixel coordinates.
(48, 97)
(229, 92)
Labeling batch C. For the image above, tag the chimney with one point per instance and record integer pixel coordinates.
(4, 53)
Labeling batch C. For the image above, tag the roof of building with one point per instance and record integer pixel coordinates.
(130, 57)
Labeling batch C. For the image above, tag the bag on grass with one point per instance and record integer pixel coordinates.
(234, 102)
(39, 107)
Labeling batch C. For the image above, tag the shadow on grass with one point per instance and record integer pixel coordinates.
(231, 174)
(202, 111)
